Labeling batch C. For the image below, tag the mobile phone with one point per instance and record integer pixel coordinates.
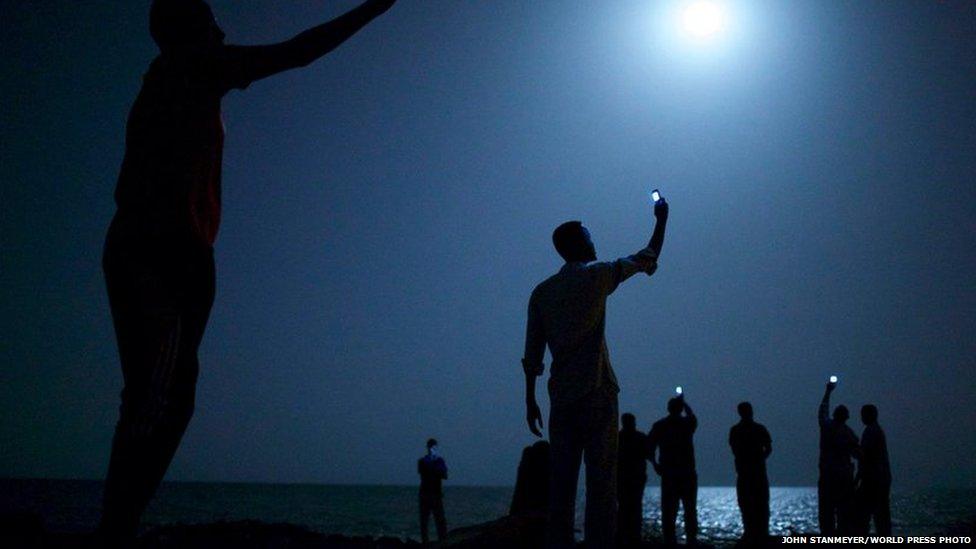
(678, 390)
(656, 195)
(833, 379)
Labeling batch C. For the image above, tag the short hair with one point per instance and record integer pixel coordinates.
(174, 21)
(567, 237)
(675, 405)
(745, 410)
(431, 442)
(628, 419)
(869, 413)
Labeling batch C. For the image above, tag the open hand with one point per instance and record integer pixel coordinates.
(534, 418)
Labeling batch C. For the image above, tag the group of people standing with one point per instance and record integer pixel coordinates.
(567, 314)
(847, 501)
(159, 270)
(669, 446)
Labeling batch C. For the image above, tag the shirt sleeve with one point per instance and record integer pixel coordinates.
(235, 67)
(535, 340)
(615, 272)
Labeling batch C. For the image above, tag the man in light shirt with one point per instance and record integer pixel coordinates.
(567, 312)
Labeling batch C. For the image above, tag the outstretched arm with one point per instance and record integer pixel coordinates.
(246, 64)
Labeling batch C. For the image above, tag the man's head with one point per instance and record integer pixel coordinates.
(628, 421)
(675, 405)
(183, 25)
(431, 442)
(573, 242)
(745, 411)
(841, 414)
(869, 414)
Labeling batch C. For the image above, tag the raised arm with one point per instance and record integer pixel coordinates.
(823, 413)
(246, 64)
(657, 238)
(535, 349)
(692, 419)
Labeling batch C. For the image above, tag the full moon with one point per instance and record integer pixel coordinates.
(703, 19)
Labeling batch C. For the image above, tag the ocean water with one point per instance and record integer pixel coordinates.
(73, 506)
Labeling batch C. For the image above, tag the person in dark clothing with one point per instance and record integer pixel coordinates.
(158, 259)
(531, 495)
(673, 437)
(835, 489)
(873, 479)
(631, 478)
(432, 470)
(751, 445)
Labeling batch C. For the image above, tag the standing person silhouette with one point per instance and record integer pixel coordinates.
(631, 479)
(672, 436)
(751, 445)
(567, 312)
(158, 258)
(835, 489)
(873, 481)
(432, 470)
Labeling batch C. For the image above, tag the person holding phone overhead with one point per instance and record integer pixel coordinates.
(158, 259)
(567, 313)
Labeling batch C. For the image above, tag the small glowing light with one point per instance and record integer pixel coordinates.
(833, 379)
(678, 389)
(703, 19)
(655, 195)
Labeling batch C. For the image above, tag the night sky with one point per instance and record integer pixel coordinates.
(388, 210)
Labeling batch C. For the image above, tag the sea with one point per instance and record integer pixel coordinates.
(72, 506)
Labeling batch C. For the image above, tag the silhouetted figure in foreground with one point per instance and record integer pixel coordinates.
(835, 489)
(751, 445)
(873, 476)
(158, 259)
(432, 470)
(531, 495)
(567, 312)
(631, 479)
(673, 438)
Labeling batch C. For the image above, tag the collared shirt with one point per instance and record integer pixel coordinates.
(567, 312)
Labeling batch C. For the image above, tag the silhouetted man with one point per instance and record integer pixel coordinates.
(873, 476)
(631, 478)
(432, 470)
(751, 445)
(158, 258)
(567, 312)
(673, 438)
(835, 489)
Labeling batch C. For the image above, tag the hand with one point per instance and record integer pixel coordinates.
(831, 387)
(661, 209)
(534, 417)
